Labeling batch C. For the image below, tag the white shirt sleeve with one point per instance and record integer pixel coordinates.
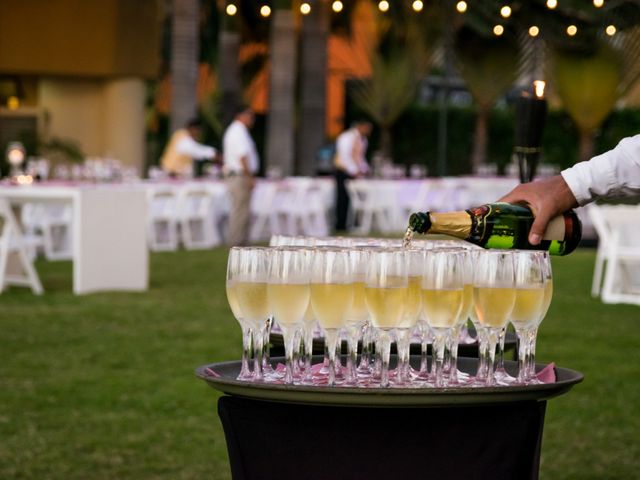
(614, 174)
(188, 146)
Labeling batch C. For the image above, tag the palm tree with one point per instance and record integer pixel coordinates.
(488, 66)
(184, 61)
(282, 84)
(228, 67)
(313, 86)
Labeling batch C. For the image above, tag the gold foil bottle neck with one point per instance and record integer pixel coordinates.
(457, 224)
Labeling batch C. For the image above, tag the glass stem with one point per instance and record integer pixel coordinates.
(352, 354)
(245, 371)
(424, 353)
(500, 353)
(481, 374)
(453, 348)
(531, 369)
(258, 342)
(331, 339)
(491, 346)
(266, 357)
(365, 358)
(385, 353)
(307, 341)
(439, 345)
(523, 347)
(288, 335)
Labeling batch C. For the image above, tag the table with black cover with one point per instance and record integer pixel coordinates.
(319, 433)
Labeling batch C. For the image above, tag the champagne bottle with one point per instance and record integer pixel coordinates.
(501, 225)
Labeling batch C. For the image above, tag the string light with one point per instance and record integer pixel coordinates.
(231, 9)
(337, 6)
(552, 4)
(461, 7)
(598, 3)
(505, 11)
(417, 5)
(572, 30)
(498, 30)
(534, 31)
(611, 30)
(383, 6)
(13, 102)
(265, 10)
(305, 9)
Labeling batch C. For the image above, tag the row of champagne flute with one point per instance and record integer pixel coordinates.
(391, 291)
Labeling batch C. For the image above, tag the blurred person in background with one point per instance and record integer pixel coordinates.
(184, 149)
(613, 175)
(349, 163)
(240, 164)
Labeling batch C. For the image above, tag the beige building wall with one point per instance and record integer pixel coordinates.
(105, 117)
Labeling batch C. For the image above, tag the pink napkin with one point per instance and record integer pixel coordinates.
(547, 374)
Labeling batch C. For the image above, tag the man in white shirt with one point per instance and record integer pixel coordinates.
(241, 163)
(613, 175)
(183, 149)
(349, 162)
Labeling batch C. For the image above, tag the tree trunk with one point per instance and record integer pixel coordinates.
(480, 139)
(184, 62)
(280, 124)
(228, 66)
(313, 86)
(586, 146)
(385, 142)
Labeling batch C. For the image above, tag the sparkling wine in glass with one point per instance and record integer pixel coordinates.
(250, 286)
(357, 315)
(530, 296)
(442, 300)
(233, 269)
(385, 296)
(532, 333)
(494, 298)
(331, 297)
(288, 295)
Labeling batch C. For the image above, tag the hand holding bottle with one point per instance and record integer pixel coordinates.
(547, 199)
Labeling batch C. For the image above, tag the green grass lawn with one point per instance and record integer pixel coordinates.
(102, 386)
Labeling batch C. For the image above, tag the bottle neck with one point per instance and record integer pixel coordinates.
(456, 224)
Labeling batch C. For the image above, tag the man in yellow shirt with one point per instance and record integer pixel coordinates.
(183, 149)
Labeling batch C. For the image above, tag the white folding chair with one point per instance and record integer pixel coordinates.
(162, 220)
(372, 201)
(57, 230)
(264, 212)
(15, 266)
(197, 218)
(303, 208)
(618, 227)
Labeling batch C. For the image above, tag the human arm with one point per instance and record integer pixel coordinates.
(614, 174)
(188, 146)
(244, 161)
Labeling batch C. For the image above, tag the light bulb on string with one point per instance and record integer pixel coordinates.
(337, 6)
(572, 30)
(598, 3)
(417, 5)
(505, 11)
(611, 30)
(551, 4)
(383, 6)
(498, 30)
(461, 6)
(534, 31)
(231, 9)
(265, 10)
(305, 9)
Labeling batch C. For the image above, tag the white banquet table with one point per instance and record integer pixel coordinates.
(109, 236)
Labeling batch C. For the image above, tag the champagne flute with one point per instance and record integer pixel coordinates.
(456, 377)
(331, 297)
(250, 285)
(233, 269)
(530, 296)
(494, 298)
(545, 259)
(288, 295)
(385, 294)
(442, 299)
(412, 310)
(357, 315)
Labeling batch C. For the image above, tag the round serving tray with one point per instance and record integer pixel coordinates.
(390, 397)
